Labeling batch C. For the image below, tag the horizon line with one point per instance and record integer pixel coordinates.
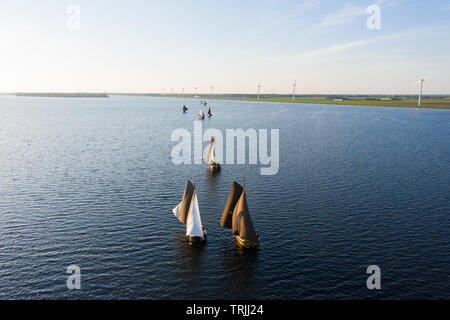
(220, 94)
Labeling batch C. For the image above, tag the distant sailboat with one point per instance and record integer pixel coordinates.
(188, 212)
(210, 156)
(209, 112)
(236, 216)
(184, 108)
(201, 115)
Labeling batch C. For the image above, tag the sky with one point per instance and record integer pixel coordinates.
(326, 46)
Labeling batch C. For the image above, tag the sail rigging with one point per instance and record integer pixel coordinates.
(236, 216)
(194, 222)
(242, 224)
(233, 198)
(181, 211)
(210, 155)
(188, 212)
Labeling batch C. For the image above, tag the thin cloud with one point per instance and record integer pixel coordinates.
(343, 16)
(349, 45)
(307, 5)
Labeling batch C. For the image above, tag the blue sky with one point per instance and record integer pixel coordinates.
(144, 46)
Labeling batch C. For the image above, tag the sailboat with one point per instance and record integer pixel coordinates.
(188, 212)
(209, 112)
(201, 115)
(210, 156)
(185, 109)
(236, 216)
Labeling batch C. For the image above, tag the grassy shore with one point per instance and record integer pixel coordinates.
(441, 103)
(431, 101)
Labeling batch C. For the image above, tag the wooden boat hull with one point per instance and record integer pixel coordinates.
(245, 243)
(198, 240)
(215, 167)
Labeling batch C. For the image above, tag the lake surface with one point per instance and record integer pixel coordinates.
(91, 182)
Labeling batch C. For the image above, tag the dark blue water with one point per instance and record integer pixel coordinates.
(91, 182)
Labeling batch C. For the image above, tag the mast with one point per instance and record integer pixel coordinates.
(233, 198)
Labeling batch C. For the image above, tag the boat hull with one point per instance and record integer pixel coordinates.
(246, 243)
(215, 167)
(198, 240)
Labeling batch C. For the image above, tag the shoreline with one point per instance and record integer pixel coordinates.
(61, 95)
(400, 101)
(405, 101)
(433, 104)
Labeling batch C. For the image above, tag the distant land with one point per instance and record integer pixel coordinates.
(438, 101)
(62, 95)
(405, 101)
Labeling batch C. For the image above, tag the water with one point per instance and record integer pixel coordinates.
(90, 182)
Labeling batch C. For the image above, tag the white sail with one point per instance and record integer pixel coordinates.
(194, 223)
(176, 210)
(201, 113)
(210, 155)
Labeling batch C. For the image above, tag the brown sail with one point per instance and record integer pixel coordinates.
(242, 224)
(233, 198)
(186, 202)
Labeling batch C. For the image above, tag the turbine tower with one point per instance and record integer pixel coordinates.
(420, 93)
(212, 91)
(259, 90)
(293, 90)
(421, 81)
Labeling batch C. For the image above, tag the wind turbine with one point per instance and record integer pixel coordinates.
(212, 91)
(259, 90)
(196, 88)
(421, 81)
(293, 90)
(183, 91)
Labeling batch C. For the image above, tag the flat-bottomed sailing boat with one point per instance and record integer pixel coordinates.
(201, 115)
(236, 216)
(211, 155)
(188, 212)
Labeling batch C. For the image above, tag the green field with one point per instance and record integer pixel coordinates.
(441, 103)
(406, 101)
